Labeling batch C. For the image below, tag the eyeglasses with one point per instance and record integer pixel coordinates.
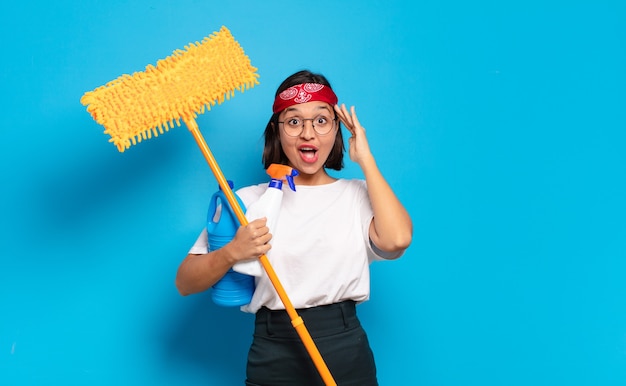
(321, 124)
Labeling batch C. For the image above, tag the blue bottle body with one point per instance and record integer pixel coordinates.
(234, 289)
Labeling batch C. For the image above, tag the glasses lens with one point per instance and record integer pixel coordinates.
(322, 124)
(293, 126)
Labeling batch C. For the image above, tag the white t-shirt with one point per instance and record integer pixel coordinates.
(321, 249)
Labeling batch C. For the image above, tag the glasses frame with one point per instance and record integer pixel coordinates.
(312, 124)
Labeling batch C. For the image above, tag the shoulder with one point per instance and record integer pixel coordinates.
(356, 185)
(349, 189)
(340, 186)
(250, 194)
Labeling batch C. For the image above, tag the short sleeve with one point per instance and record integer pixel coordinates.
(201, 246)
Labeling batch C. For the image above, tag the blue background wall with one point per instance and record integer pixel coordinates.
(501, 125)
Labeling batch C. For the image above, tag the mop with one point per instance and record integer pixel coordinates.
(133, 108)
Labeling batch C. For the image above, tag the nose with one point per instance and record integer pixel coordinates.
(308, 131)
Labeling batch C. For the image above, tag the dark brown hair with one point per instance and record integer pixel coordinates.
(273, 152)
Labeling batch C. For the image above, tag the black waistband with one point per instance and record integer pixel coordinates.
(319, 321)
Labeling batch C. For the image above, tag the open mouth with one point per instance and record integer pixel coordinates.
(308, 153)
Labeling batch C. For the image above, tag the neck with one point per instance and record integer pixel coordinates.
(321, 178)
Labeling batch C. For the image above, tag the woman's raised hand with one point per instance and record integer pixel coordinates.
(359, 149)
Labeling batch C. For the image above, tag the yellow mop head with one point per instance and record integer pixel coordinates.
(133, 108)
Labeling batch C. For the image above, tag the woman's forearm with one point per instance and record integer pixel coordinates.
(198, 273)
(392, 228)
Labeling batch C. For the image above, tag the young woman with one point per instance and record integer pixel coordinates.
(329, 231)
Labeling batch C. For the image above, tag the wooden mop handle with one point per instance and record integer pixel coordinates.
(296, 320)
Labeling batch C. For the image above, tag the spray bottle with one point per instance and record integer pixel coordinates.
(234, 288)
(268, 205)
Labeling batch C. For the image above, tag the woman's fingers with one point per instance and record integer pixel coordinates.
(355, 120)
(345, 117)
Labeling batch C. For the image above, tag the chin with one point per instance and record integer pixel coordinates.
(309, 169)
(306, 169)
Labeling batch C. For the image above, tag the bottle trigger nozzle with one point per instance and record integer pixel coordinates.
(290, 177)
(282, 173)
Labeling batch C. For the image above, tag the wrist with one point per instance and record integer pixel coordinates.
(228, 255)
(367, 162)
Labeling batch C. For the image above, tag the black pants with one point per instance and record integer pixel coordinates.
(278, 357)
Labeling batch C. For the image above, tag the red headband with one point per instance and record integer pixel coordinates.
(302, 93)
